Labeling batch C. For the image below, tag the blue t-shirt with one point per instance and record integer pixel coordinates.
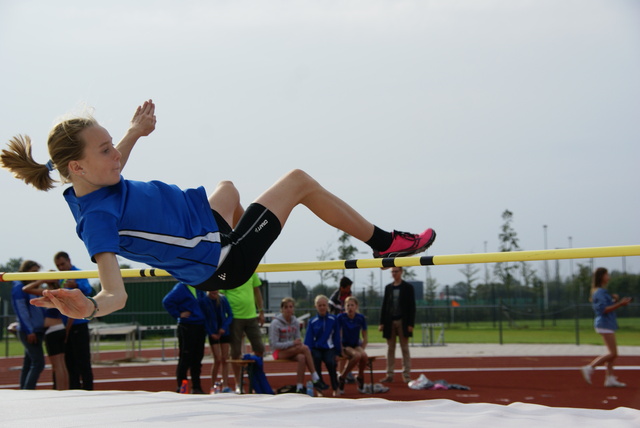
(600, 300)
(152, 222)
(350, 329)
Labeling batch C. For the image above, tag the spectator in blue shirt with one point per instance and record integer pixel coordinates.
(352, 324)
(182, 303)
(30, 329)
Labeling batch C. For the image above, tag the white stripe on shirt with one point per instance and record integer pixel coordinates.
(172, 240)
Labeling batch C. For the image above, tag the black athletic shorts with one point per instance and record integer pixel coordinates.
(245, 246)
(54, 342)
(223, 339)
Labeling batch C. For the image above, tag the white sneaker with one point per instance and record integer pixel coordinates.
(586, 373)
(612, 382)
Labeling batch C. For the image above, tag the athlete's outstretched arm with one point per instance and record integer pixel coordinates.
(74, 304)
(142, 124)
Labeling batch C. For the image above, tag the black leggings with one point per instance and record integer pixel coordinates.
(191, 343)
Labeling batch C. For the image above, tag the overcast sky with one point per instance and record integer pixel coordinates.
(420, 114)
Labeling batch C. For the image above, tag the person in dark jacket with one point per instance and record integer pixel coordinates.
(397, 317)
(77, 348)
(337, 299)
(182, 303)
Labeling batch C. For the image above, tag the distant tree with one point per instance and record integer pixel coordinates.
(408, 274)
(13, 265)
(321, 289)
(327, 276)
(346, 250)
(459, 290)
(370, 281)
(368, 295)
(625, 284)
(469, 271)
(508, 242)
(300, 292)
(431, 285)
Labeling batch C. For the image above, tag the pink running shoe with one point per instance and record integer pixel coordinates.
(406, 244)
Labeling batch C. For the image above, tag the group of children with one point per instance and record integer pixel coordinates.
(328, 337)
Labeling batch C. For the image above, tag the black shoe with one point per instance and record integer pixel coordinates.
(349, 378)
(320, 385)
(360, 382)
(197, 391)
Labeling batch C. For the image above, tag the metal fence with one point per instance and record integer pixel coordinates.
(498, 317)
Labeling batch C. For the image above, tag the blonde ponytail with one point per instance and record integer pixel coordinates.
(64, 144)
(18, 159)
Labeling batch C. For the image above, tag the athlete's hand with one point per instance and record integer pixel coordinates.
(144, 119)
(625, 301)
(70, 302)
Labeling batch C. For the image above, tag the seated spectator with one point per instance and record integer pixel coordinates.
(323, 339)
(218, 317)
(352, 324)
(285, 340)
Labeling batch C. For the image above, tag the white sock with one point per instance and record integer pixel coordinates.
(299, 387)
(314, 376)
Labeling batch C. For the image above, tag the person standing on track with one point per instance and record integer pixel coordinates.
(397, 317)
(606, 324)
(182, 303)
(30, 329)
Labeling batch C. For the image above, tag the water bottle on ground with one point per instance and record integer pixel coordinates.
(310, 390)
(184, 388)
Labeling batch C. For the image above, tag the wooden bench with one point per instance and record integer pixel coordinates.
(370, 361)
(245, 367)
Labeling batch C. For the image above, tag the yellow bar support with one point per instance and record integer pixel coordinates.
(454, 259)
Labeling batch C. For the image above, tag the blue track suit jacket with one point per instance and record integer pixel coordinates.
(181, 299)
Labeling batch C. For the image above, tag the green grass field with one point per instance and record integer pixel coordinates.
(561, 331)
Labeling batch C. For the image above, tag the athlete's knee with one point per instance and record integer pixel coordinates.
(228, 187)
(299, 176)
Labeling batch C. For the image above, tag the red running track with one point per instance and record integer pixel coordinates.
(550, 381)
